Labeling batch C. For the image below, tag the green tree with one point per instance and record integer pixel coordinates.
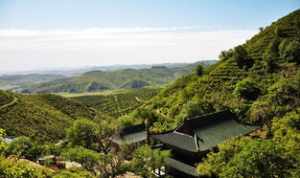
(199, 70)
(240, 55)
(245, 157)
(109, 165)
(88, 158)
(24, 147)
(90, 135)
(271, 55)
(2, 143)
(292, 52)
(247, 89)
(84, 133)
(197, 107)
(73, 174)
(18, 169)
(146, 160)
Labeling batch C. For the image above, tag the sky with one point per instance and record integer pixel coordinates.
(49, 34)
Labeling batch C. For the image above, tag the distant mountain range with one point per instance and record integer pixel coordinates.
(13, 81)
(136, 76)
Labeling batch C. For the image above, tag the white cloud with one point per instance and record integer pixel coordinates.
(36, 49)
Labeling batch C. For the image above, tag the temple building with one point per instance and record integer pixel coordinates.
(191, 141)
(130, 135)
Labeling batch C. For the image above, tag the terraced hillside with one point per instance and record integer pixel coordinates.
(118, 103)
(268, 60)
(43, 117)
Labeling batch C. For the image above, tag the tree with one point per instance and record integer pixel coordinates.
(240, 55)
(84, 133)
(261, 29)
(109, 164)
(271, 55)
(247, 89)
(291, 52)
(197, 107)
(226, 54)
(146, 160)
(24, 147)
(199, 70)
(2, 143)
(278, 156)
(88, 158)
(242, 158)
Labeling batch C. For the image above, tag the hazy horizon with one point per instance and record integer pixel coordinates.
(48, 35)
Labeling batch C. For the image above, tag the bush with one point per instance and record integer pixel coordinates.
(199, 70)
(24, 147)
(197, 108)
(290, 51)
(2, 143)
(146, 160)
(240, 55)
(247, 89)
(73, 174)
(248, 158)
(16, 169)
(84, 133)
(86, 157)
(271, 55)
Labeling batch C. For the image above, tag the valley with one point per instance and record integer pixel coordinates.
(235, 117)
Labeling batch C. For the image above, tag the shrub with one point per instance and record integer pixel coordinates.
(199, 70)
(86, 157)
(247, 89)
(16, 169)
(24, 147)
(290, 50)
(248, 158)
(2, 143)
(146, 160)
(271, 55)
(73, 174)
(84, 133)
(240, 55)
(198, 107)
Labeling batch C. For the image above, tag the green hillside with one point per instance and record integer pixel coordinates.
(43, 117)
(119, 102)
(258, 80)
(125, 78)
(15, 81)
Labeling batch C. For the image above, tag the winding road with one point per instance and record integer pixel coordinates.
(14, 101)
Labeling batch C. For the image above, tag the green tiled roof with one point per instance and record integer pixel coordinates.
(131, 138)
(203, 133)
(183, 167)
(179, 140)
(212, 134)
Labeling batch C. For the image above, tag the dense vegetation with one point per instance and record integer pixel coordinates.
(259, 81)
(251, 80)
(123, 78)
(118, 103)
(43, 117)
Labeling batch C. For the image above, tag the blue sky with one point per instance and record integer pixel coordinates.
(47, 34)
(226, 14)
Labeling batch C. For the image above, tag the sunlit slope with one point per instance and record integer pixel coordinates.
(268, 59)
(44, 117)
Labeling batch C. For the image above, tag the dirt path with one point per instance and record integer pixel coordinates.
(14, 101)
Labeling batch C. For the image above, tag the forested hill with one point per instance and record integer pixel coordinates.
(43, 117)
(257, 80)
(123, 78)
